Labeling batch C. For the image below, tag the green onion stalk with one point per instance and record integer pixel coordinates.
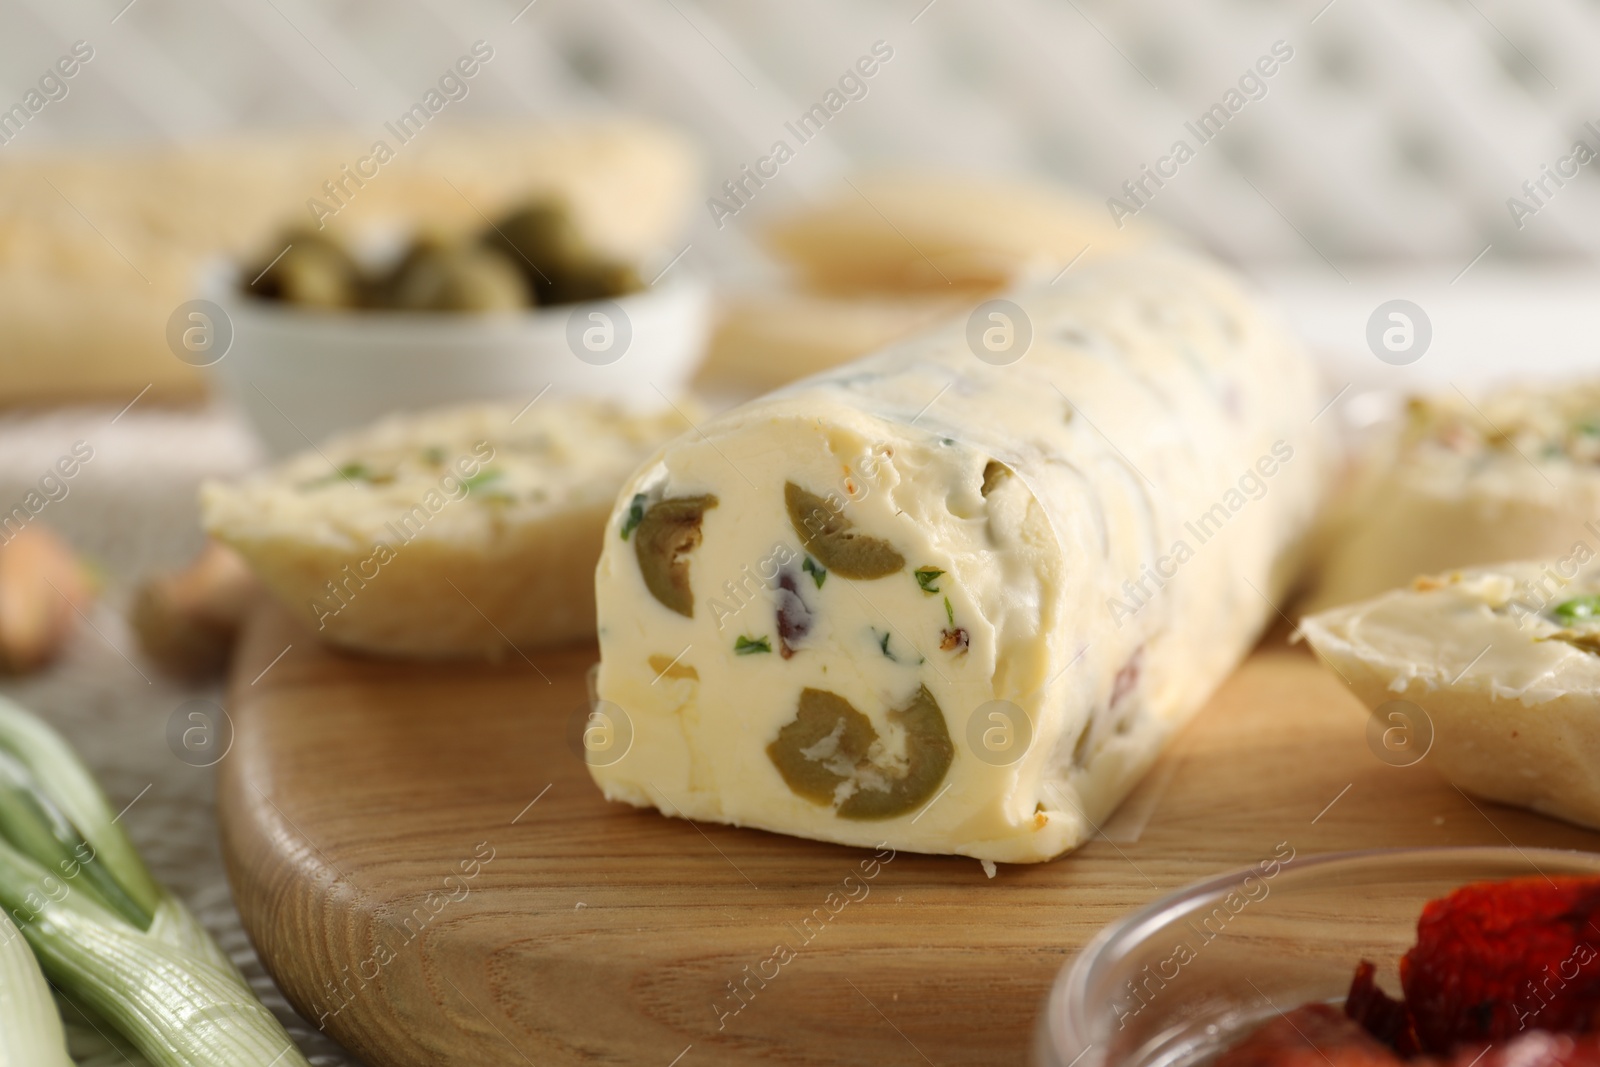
(118, 946)
(31, 1034)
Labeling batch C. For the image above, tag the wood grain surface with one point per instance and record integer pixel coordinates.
(423, 863)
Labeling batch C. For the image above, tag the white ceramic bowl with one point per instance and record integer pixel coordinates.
(300, 375)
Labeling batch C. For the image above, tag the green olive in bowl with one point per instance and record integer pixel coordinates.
(459, 278)
(311, 269)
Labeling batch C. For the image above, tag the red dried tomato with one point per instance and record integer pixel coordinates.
(1379, 1014)
(1497, 958)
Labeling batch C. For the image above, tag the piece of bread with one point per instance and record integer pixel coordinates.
(957, 599)
(763, 340)
(1510, 475)
(1504, 663)
(891, 254)
(467, 532)
(124, 233)
(908, 231)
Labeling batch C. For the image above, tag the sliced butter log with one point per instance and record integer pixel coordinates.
(1505, 663)
(464, 532)
(1465, 482)
(897, 602)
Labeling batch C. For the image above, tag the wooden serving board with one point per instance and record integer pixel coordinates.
(423, 863)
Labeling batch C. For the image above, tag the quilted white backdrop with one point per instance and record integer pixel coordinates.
(1396, 129)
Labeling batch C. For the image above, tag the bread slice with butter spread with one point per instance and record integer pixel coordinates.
(1489, 674)
(463, 532)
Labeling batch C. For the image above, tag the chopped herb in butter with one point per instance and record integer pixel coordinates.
(883, 646)
(811, 567)
(348, 472)
(635, 515)
(926, 576)
(1578, 609)
(482, 478)
(749, 646)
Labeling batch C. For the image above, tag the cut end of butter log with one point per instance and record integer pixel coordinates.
(1490, 674)
(955, 597)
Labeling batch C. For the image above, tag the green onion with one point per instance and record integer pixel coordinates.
(93, 1042)
(1578, 609)
(115, 943)
(32, 821)
(73, 791)
(31, 1034)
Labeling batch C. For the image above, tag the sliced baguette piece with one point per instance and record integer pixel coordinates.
(1505, 664)
(902, 231)
(768, 339)
(459, 533)
(1465, 482)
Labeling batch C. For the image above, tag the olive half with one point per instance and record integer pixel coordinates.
(828, 744)
(669, 531)
(832, 538)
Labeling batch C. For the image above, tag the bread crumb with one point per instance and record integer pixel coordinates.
(988, 867)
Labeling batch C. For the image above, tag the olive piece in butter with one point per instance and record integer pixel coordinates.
(828, 745)
(994, 473)
(819, 749)
(833, 539)
(669, 531)
(928, 756)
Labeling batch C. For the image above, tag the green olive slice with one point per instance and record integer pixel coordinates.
(828, 743)
(820, 749)
(669, 531)
(928, 756)
(833, 539)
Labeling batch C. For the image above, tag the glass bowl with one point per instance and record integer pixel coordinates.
(1177, 980)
